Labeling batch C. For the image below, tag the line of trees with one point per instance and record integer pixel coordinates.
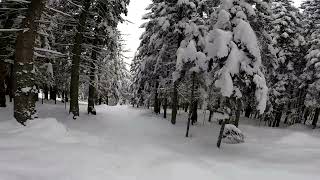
(68, 48)
(257, 57)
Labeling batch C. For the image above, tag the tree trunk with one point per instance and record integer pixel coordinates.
(277, 119)
(100, 100)
(10, 82)
(75, 68)
(7, 71)
(46, 92)
(63, 95)
(186, 107)
(165, 108)
(221, 133)
(156, 100)
(306, 114)
(53, 94)
(92, 82)
(24, 104)
(315, 118)
(191, 100)
(2, 94)
(174, 103)
(210, 115)
(194, 116)
(238, 112)
(248, 111)
(3, 75)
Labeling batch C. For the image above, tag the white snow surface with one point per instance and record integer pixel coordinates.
(125, 143)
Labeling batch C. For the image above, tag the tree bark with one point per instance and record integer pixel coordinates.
(186, 107)
(46, 92)
(191, 102)
(277, 119)
(175, 103)
(10, 84)
(165, 107)
(75, 68)
(194, 116)
(156, 100)
(221, 133)
(91, 97)
(305, 115)
(2, 94)
(3, 74)
(248, 111)
(315, 118)
(210, 115)
(24, 104)
(238, 112)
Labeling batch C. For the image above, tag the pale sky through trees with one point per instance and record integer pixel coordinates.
(132, 32)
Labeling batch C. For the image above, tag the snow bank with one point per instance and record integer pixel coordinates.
(298, 139)
(46, 129)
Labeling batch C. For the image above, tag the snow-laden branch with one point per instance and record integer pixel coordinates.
(57, 11)
(49, 51)
(18, 1)
(73, 3)
(12, 30)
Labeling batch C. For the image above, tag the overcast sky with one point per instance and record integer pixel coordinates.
(132, 32)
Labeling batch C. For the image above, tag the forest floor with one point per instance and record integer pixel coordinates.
(126, 143)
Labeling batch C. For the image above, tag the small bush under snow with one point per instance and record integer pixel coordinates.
(232, 135)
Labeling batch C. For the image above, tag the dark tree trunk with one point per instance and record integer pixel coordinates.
(36, 96)
(92, 90)
(53, 93)
(221, 133)
(175, 103)
(6, 69)
(306, 114)
(2, 94)
(46, 92)
(165, 108)
(277, 119)
(24, 104)
(248, 111)
(91, 97)
(194, 116)
(238, 112)
(192, 101)
(75, 68)
(10, 82)
(315, 118)
(100, 100)
(156, 100)
(3, 75)
(210, 115)
(63, 96)
(186, 107)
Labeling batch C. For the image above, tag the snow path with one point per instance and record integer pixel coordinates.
(128, 143)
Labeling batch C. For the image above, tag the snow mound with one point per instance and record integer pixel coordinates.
(48, 129)
(297, 139)
(299, 127)
(232, 135)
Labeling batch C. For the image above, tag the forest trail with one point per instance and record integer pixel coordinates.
(127, 143)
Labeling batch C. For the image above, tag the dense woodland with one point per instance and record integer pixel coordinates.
(257, 58)
(66, 48)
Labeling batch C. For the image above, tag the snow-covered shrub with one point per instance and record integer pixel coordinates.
(232, 135)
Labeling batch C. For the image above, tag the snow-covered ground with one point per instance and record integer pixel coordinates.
(125, 143)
